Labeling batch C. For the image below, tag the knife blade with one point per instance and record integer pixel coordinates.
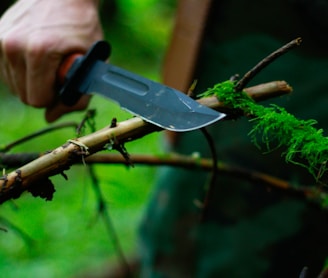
(153, 102)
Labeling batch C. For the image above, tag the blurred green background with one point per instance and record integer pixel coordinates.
(66, 236)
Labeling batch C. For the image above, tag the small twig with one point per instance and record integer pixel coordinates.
(88, 118)
(27, 239)
(113, 123)
(191, 89)
(103, 212)
(120, 147)
(265, 62)
(209, 191)
(33, 135)
(124, 152)
(17, 159)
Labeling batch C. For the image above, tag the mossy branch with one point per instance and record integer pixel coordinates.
(304, 144)
(274, 127)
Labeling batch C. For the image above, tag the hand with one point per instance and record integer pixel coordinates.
(35, 37)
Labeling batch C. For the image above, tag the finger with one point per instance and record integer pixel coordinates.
(13, 67)
(41, 74)
(16, 75)
(5, 74)
(43, 58)
(56, 111)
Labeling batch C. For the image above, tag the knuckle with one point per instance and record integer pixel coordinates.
(37, 47)
(11, 45)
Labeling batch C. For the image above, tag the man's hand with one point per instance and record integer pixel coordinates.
(35, 37)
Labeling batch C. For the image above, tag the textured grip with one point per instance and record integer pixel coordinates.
(65, 66)
(75, 68)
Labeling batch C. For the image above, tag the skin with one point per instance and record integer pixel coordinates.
(35, 37)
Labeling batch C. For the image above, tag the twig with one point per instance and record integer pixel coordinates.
(27, 239)
(88, 118)
(209, 191)
(313, 194)
(17, 159)
(265, 62)
(103, 211)
(190, 162)
(33, 135)
(120, 147)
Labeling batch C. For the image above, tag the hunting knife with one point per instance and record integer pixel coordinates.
(153, 102)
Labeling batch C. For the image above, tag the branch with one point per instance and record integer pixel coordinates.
(73, 151)
(193, 163)
(259, 92)
(265, 62)
(315, 195)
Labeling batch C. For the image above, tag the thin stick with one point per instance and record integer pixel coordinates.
(209, 193)
(103, 211)
(266, 61)
(313, 194)
(89, 115)
(33, 135)
(189, 162)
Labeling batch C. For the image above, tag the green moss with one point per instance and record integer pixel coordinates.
(273, 127)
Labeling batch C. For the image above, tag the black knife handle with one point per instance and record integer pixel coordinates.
(75, 68)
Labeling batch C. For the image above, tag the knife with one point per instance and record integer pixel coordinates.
(153, 102)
